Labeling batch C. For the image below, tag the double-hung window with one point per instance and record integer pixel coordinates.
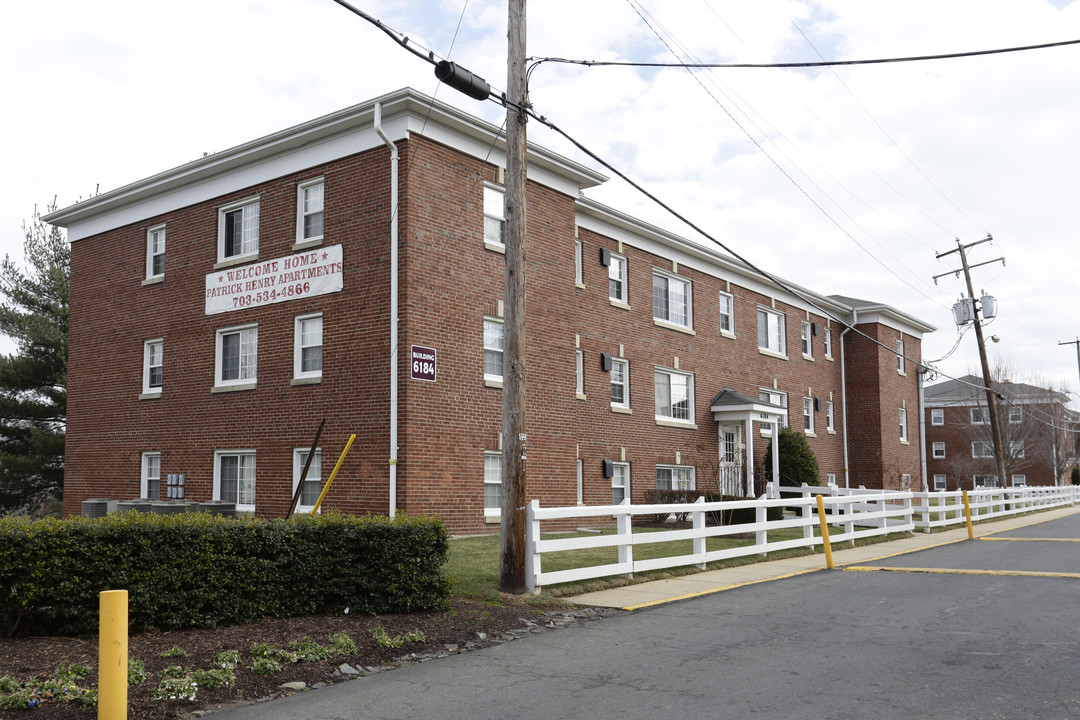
(620, 482)
(150, 485)
(674, 396)
(579, 373)
(307, 347)
(237, 356)
(672, 300)
(937, 416)
(727, 314)
(620, 384)
(1016, 414)
(617, 279)
(492, 484)
(493, 351)
(155, 252)
(153, 366)
(830, 419)
(312, 481)
(494, 218)
(979, 416)
(808, 415)
(309, 211)
(234, 478)
(675, 477)
(900, 356)
(770, 331)
(903, 425)
(238, 230)
(940, 482)
(579, 276)
(826, 338)
(807, 340)
(1016, 449)
(982, 449)
(939, 450)
(776, 398)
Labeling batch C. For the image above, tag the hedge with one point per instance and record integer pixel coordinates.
(195, 570)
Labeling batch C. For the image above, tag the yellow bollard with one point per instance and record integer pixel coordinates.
(967, 514)
(113, 655)
(824, 531)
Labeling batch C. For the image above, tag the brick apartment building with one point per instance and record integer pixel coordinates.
(222, 309)
(1038, 435)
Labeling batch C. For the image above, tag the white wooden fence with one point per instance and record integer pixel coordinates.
(857, 513)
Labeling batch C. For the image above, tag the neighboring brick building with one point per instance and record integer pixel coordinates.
(222, 309)
(1038, 435)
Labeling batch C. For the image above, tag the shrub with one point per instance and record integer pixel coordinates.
(196, 570)
(738, 516)
(1074, 478)
(798, 464)
(666, 497)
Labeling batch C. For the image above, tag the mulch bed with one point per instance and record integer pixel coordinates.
(28, 658)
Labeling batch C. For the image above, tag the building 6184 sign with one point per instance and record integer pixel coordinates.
(306, 274)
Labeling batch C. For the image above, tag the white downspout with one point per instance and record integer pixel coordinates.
(393, 307)
(922, 428)
(843, 392)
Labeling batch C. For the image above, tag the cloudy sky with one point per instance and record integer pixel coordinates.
(846, 180)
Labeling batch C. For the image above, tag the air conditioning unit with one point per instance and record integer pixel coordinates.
(136, 504)
(98, 507)
(219, 507)
(164, 507)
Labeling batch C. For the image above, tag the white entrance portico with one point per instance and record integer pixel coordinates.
(733, 411)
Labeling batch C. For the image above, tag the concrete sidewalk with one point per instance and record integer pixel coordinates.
(658, 592)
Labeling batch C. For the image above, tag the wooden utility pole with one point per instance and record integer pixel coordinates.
(991, 396)
(512, 529)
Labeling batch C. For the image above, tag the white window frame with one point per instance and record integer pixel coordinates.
(665, 376)
(666, 308)
(617, 273)
(830, 416)
(314, 476)
(774, 332)
(244, 457)
(624, 364)
(937, 416)
(1016, 449)
(1019, 480)
(303, 211)
(620, 482)
(986, 446)
(150, 473)
(941, 482)
(247, 374)
(687, 472)
(155, 248)
(148, 388)
(495, 210)
(979, 416)
(984, 480)
(826, 339)
(727, 314)
(490, 323)
(938, 449)
(807, 335)
(493, 479)
(579, 374)
(900, 356)
(903, 425)
(302, 343)
(579, 265)
(776, 397)
(830, 479)
(249, 217)
(808, 415)
(1016, 414)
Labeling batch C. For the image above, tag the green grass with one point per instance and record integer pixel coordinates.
(474, 561)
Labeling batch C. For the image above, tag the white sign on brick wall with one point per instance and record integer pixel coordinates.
(306, 274)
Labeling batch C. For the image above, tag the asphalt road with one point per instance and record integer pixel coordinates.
(834, 644)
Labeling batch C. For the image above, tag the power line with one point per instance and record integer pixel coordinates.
(823, 63)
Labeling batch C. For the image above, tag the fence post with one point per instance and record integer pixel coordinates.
(699, 524)
(761, 515)
(112, 655)
(625, 531)
(532, 535)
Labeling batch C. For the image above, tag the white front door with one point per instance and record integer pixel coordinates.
(730, 461)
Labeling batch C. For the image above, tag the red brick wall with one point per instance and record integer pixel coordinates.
(449, 282)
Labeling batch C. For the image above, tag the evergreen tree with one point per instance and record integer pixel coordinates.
(33, 396)
(798, 464)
